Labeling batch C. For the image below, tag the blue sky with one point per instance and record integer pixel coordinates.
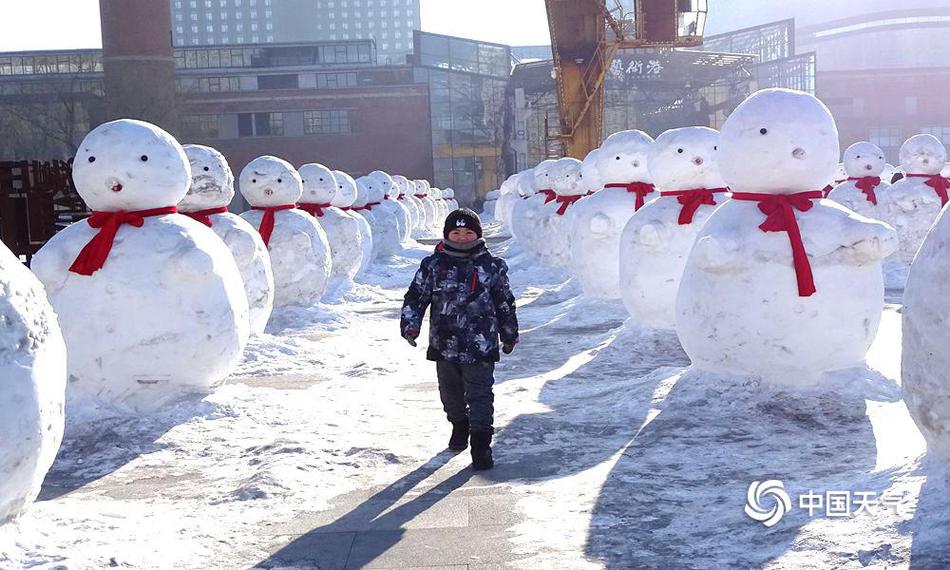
(66, 24)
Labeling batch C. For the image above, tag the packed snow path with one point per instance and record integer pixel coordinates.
(326, 449)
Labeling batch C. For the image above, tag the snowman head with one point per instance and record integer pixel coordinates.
(212, 183)
(526, 184)
(686, 159)
(624, 158)
(863, 159)
(779, 141)
(420, 187)
(590, 170)
(923, 154)
(448, 193)
(268, 181)
(373, 188)
(543, 179)
(402, 185)
(319, 185)
(386, 182)
(345, 193)
(509, 185)
(129, 165)
(567, 179)
(363, 192)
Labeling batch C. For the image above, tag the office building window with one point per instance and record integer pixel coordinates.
(286, 81)
(200, 126)
(261, 124)
(326, 122)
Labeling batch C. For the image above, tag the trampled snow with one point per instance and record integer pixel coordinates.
(655, 459)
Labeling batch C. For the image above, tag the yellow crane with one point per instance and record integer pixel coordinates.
(585, 38)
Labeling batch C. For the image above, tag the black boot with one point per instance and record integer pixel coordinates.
(481, 451)
(459, 439)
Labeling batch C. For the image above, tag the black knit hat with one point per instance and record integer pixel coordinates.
(462, 218)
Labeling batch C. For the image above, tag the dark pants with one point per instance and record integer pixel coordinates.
(466, 391)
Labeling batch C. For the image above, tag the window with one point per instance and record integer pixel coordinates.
(886, 137)
(200, 126)
(288, 81)
(261, 124)
(326, 122)
(336, 80)
(942, 133)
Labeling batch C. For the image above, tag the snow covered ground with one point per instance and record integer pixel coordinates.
(610, 452)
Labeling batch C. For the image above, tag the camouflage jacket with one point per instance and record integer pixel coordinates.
(470, 306)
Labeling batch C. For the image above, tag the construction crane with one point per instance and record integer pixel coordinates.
(585, 38)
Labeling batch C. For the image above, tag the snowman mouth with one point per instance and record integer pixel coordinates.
(268, 192)
(698, 161)
(116, 187)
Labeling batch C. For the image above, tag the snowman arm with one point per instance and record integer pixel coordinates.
(242, 246)
(653, 236)
(716, 254)
(601, 226)
(51, 266)
(878, 244)
(192, 264)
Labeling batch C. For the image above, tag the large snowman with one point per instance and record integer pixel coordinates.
(343, 233)
(864, 164)
(32, 386)
(211, 191)
(926, 320)
(621, 169)
(151, 303)
(345, 197)
(299, 248)
(913, 203)
(391, 206)
(658, 238)
(781, 284)
(553, 237)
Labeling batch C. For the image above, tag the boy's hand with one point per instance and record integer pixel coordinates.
(410, 337)
(508, 347)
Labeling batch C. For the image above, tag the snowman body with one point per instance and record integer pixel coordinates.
(406, 198)
(165, 314)
(385, 229)
(528, 212)
(390, 206)
(32, 386)
(925, 363)
(599, 219)
(553, 236)
(342, 231)
(861, 191)
(211, 190)
(298, 246)
(744, 305)
(658, 238)
(345, 197)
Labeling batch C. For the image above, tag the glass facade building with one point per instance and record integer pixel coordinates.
(467, 89)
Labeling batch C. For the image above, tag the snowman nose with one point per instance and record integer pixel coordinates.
(268, 192)
(116, 186)
(698, 161)
(868, 167)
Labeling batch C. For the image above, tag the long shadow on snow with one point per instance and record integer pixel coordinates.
(365, 533)
(676, 496)
(930, 526)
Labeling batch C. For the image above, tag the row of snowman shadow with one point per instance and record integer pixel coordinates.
(138, 306)
(728, 240)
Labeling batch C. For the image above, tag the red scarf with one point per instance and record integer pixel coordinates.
(867, 184)
(938, 183)
(691, 200)
(551, 195)
(421, 196)
(370, 205)
(313, 209)
(566, 202)
(267, 222)
(93, 256)
(204, 216)
(401, 197)
(641, 189)
(780, 217)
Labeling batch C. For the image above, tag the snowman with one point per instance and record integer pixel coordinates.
(657, 239)
(620, 169)
(438, 202)
(345, 197)
(299, 248)
(385, 231)
(343, 233)
(151, 302)
(452, 204)
(488, 206)
(913, 203)
(508, 193)
(553, 237)
(211, 191)
(390, 206)
(840, 177)
(864, 163)
(781, 284)
(428, 206)
(535, 187)
(926, 362)
(32, 386)
(410, 202)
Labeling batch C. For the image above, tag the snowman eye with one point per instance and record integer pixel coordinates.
(92, 159)
(254, 181)
(716, 147)
(618, 158)
(763, 131)
(143, 158)
(207, 169)
(679, 150)
(859, 156)
(321, 180)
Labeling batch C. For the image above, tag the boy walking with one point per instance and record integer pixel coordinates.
(470, 306)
